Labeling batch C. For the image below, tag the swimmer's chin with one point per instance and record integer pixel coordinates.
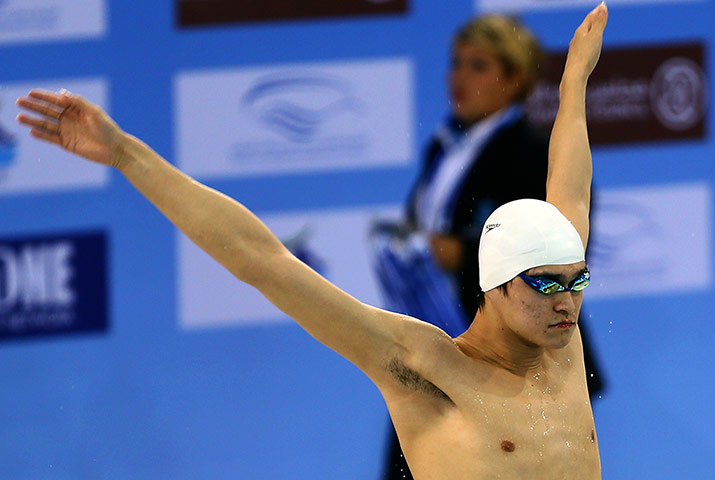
(563, 340)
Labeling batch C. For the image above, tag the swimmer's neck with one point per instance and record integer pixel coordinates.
(489, 340)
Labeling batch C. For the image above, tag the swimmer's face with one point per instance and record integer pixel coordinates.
(477, 82)
(544, 320)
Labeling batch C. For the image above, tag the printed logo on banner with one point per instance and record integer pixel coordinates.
(42, 20)
(200, 12)
(28, 165)
(332, 242)
(53, 285)
(635, 249)
(295, 118)
(521, 5)
(677, 93)
(640, 94)
(299, 106)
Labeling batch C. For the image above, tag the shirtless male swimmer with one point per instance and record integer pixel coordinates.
(507, 399)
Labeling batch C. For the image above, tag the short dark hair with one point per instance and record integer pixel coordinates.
(503, 288)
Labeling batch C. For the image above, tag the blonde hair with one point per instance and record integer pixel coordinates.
(512, 43)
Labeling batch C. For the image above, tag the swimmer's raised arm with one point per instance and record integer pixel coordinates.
(369, 337)
(568, 185)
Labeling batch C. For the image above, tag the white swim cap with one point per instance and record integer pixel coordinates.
(524, 234)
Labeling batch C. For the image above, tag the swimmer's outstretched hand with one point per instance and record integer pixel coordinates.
(585, 47)
(74, 124)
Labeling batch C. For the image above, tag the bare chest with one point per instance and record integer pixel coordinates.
(537, 431)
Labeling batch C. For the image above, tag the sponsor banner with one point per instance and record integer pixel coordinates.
(521, 5)
(651, 241)
(201, 12)
(28, 165)
(43, 20)
(53, 284)
(332, 242)
(642, 94)
(295, 118)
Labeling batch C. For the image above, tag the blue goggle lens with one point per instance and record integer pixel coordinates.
(549, 287)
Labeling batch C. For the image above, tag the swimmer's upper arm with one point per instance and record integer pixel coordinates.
(369, 337)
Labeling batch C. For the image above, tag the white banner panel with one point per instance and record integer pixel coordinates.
(42, 20)
(298, 117)
(28, 165)
(334, 242)
(520, 5)
(651, 241)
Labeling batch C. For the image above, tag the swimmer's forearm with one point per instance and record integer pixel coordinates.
(219, 225)
(568, 183)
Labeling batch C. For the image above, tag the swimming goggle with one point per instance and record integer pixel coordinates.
(547, 286)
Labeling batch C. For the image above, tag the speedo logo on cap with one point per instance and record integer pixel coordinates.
(491, 227)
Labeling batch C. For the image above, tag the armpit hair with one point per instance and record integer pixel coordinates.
(414, 381)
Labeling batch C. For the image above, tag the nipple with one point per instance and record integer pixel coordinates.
(508, 446)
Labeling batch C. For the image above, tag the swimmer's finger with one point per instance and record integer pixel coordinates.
(43, 108)
(61, 100)
(600, 14)
(46, 136)
(48, 126)
(596, 20)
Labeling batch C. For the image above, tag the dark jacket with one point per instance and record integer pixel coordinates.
(512, 165)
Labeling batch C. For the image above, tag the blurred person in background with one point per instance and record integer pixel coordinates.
(484, 155)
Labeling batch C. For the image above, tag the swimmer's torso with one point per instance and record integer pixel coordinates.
(499, 425)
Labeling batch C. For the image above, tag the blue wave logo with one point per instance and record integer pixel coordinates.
(8, 147)
(629, 235)
(297, 106)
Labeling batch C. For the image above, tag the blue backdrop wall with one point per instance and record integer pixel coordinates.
(126, 354)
